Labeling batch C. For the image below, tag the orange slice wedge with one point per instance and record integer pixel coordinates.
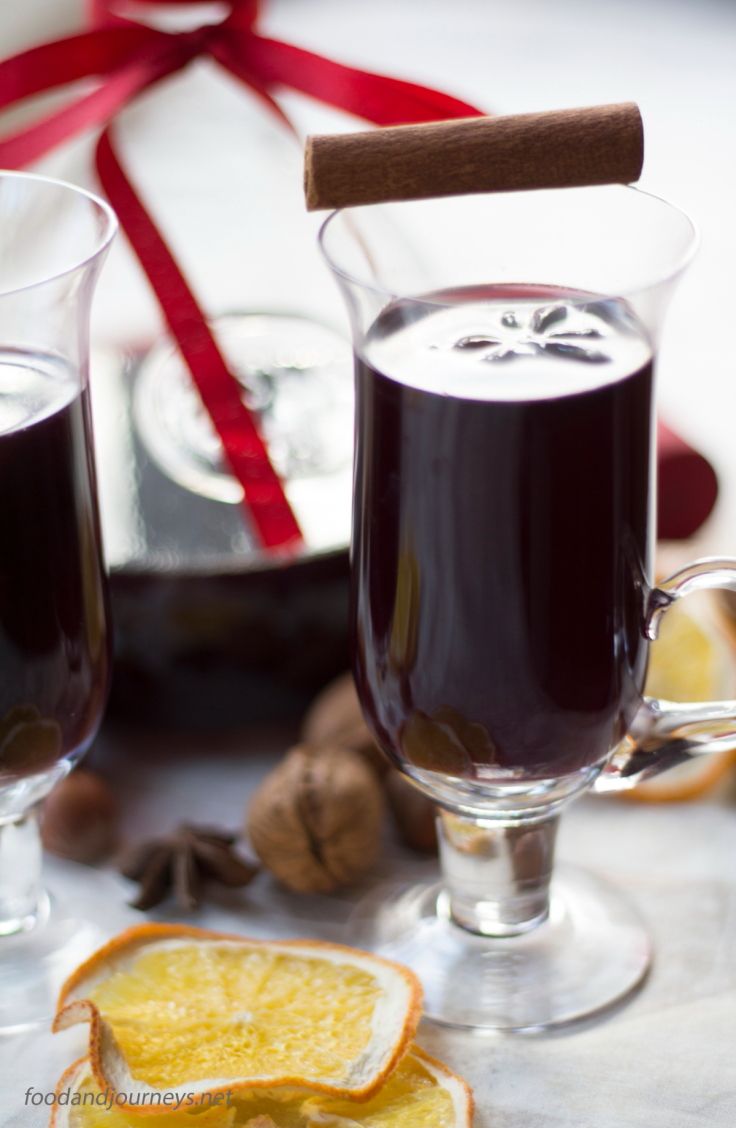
(175, 1009)
(692, 660)
(420, 1093)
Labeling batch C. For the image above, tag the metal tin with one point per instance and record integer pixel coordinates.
(210, 630)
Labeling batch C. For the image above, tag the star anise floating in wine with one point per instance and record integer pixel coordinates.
(558, 330)
(181, 862)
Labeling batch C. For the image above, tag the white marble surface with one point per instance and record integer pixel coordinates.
(663, 1060)
(666, 1060)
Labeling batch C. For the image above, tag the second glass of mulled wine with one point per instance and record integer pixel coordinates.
(55, 645)
(502, 571)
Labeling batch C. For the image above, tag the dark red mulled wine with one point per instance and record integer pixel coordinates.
(54, 645)
(501, 543)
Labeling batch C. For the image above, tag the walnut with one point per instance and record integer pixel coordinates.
(335, 718)
(315, 821)
(80, 818)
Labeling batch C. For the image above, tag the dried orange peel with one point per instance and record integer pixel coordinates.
(172, 1008)
(420, 1092)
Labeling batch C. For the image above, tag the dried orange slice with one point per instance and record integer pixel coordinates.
(173, 1009)
(691, 660)
(81, 1103)
(420, 1093)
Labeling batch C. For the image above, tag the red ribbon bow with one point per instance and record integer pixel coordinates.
(127, 56)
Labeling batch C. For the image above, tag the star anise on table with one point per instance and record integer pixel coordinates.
(181, 862)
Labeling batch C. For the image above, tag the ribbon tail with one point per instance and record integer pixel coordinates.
(244, 447)
(94, 109)
(135, 61)
(223, 52)
(377, 98)
(67, 60)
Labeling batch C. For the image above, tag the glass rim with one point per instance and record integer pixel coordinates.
(101, 206)
(681, 263)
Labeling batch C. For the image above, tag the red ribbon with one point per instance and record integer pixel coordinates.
(127, 56)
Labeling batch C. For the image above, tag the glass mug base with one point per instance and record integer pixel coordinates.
(66, 930)
(591, 952)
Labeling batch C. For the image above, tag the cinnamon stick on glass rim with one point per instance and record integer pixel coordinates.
(556, 149)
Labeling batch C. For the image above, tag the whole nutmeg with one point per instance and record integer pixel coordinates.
(414, 813)
(315, 821)
(335, 718)
(80, 818)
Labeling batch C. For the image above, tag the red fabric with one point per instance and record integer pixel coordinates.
(687, 487)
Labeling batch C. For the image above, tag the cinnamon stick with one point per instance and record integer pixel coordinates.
(557, 149)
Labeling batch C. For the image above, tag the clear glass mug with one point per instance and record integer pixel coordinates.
(503, 600)
(54, 622)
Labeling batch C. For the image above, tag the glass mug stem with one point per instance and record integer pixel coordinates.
(496, 876)
(21, 895)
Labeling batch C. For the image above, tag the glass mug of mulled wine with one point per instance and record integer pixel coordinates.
(502, 592)
(54, 634)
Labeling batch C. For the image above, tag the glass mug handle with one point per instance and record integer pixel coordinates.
(667, 733)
